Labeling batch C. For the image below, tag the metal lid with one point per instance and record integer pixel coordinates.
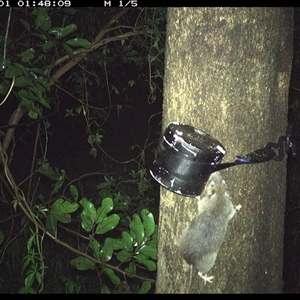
(184, 158)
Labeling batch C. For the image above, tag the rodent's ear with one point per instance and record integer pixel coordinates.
(211, 194)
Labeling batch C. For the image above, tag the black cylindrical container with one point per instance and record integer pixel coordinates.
(185, 159)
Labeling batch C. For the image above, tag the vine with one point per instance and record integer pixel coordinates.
(114, 237)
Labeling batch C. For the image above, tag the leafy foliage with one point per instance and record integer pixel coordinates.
(46, 217)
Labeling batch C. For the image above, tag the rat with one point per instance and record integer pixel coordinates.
(201, 241)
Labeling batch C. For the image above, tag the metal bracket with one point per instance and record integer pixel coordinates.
(284, 144)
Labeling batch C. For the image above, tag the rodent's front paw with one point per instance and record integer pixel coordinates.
(238, 207)
(205, 277)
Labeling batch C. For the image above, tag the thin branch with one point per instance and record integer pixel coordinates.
(97, 261)
(21, 201)
(87, 105)
(96, 46)
(70, 64)
(14, 120)
(20, 110)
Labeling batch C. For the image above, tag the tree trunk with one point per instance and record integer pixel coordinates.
(227, 73)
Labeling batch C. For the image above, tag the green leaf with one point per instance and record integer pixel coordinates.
(63, 218)
(38, 277)
(33, 115)
(79, 42)
(30, 241)
(127, 241)
(25, 95)
(36, 71)
(148, 222)
(137, 227)
(69, 50)
(105, 289)
(144, 289)
(25, 24)
(40, 36)
(48, 45)
(88, 214)
(108, 224)
(56, 31)
(51, 224)
(27, 55)
(41, 17)
(23, 290)
(36, 91)
(69, 29)
(107, 250)
(42, 84)
(39, 96)
(30, 106)
(29, 280)
(42, 20)
(117, 244)
(60, 182)
(13, 71)
(44, 102)
(149, 251)
(48, 171)
(60, 32)
(95, 246)
(104, 194)
(124, 255)
(21, 67)
(112, 275)
(47, 24)
(27, 260)
(153, 241)
(3, 88)
(131, 268)
(74, 192)
(82, 263)
(121, 205)
(151, 265)
(23, 81)
(107, 205)
(62, 209)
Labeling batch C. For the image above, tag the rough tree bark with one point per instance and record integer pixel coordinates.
(227, 73)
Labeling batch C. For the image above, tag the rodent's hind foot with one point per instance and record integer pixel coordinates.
(205, 277)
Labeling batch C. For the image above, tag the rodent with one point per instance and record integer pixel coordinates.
(201, 241)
